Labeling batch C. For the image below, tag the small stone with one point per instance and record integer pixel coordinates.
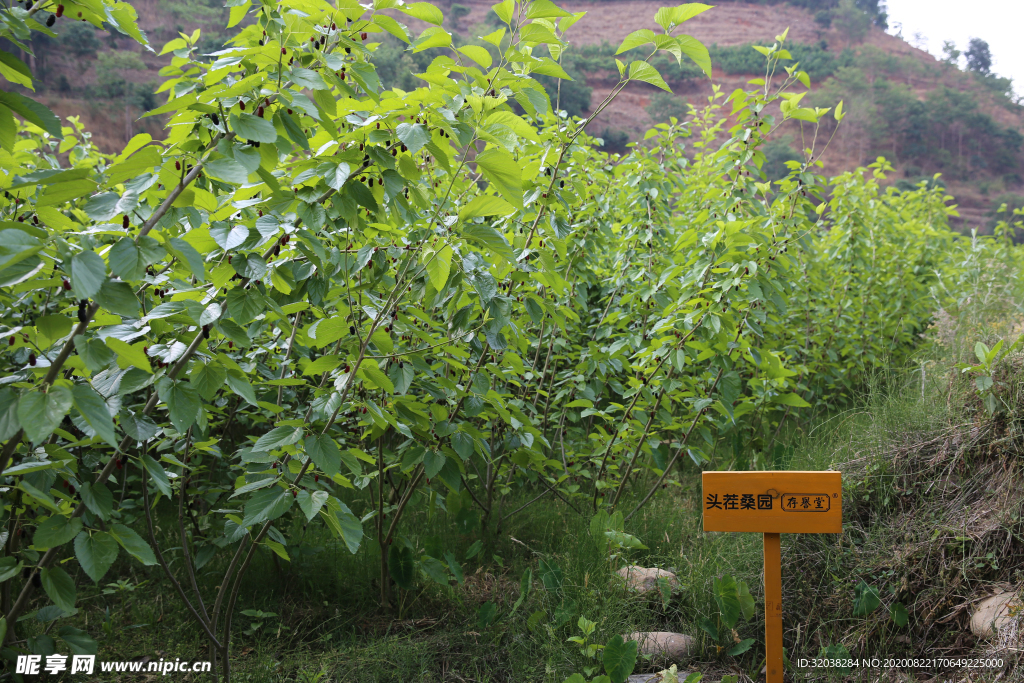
(993, 613)
(671, 646)
(645, 579)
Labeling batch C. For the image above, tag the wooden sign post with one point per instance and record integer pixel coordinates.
(773, 503)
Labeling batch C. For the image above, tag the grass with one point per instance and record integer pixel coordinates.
(326, 625)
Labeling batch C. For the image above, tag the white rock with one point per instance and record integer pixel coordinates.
(993, 613)
(671, 646)
(645, 579)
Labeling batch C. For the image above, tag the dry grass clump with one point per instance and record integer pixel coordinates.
(933, 522)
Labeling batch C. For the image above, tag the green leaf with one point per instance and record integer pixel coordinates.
(253, 128)
(899, 615)
(478, 54)
(424, 11)
(227, 237)
(54, 195)
(642, 71)
(544, 9)
(137, 426)
(433, 462)
(278, 549)
(308, 78)
(78, 641)
(667, 17)
(87, 274)
(15, 70)
(96, 553)
(241, 386)
(489, 239)
(366, 76)
(118, 297)
(792, 400)
(538, 33)
(463, 444)
(244, 305)
(374, 375)
(129, 355)
(56, 531)
(981, 351)
(337, 179)
(486, 614)
(95, 412)
(503, 10)
(59, 587)
(98, 499)
(32, 112)
(133, 544)
(636, 39)
(139, 163)
(183, 404)
(293, 129)
(227, 170)
(157, 472)
(619, 658)
(324, 453)
(9, 568)
(16, 246)
(455, 568)
(267, 505)
(348, 525)
(278, 437)
(207, 378)
(695, 50)
(126, 260)
(8, 130)
(438, 266)
(504, 174)
(432, 36)
(39, 413)
(413, 135)
(486, 205)
(865, 600)
(310, 503)
(186, 253)
(727, 596)
(746, 600)
(525, 584)
(402, 567)
(740, 647)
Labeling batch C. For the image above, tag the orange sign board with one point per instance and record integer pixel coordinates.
(773, 502)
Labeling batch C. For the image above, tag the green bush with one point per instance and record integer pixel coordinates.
(665, 105)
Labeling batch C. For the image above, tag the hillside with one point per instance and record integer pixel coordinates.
(923, 115)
